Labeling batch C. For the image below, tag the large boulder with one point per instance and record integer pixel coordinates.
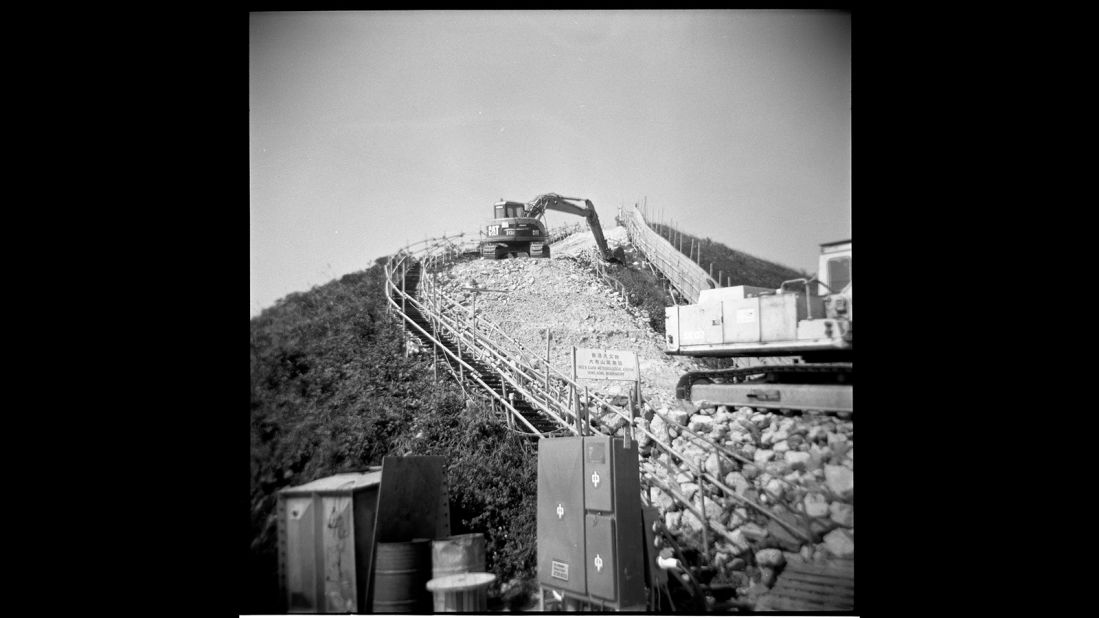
(715, 465)
(678, 417)
(770, 558)
(737, 482)
(701, 423)
(816, 505)
(840, 480)
(843, 514)
(840, 543)
(691, 522)
(797, 460)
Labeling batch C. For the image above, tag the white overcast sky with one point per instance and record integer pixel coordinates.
(370, 129)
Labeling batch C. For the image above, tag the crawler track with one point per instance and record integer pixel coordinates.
(825, 387)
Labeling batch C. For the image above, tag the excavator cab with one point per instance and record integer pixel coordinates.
(509, 210)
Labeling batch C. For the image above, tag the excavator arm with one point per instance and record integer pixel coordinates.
(553, 201)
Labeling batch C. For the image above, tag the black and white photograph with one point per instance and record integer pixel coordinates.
(550, 312)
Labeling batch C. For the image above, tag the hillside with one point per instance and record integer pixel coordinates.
(734, 267)
(332, 391)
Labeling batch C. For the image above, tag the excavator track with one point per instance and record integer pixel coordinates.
(825, 387)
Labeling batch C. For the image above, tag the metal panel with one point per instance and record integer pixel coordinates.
(741, 319)
(598, 474)
(338, 539)
(365, 509)
(301, 551)
(691, 325)
(778, 319)
(601, 563)
(628, 521)
(561, 562)
(711, 322)
(409, 504)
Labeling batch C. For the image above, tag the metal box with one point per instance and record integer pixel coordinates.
(590, 534)
(690, 325)
(741, 318)
(621, 530)
(602, 566)
(560, 517)
(779, 315)
(325, 535)
(778, 320)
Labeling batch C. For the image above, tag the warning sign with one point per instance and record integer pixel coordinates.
(606, 364)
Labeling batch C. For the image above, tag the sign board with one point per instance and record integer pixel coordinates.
(606, 364)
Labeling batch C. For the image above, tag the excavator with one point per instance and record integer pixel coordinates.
(517, 229)
(807, 318)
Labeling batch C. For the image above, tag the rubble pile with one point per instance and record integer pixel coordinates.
(801, 470)
(801, 466)
(529, 297)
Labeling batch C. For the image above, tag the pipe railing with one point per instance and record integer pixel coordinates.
(537, 380)
(680, 270)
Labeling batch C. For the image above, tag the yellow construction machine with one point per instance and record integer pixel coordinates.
(517, 229)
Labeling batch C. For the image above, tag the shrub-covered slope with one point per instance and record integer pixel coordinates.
(332, 391)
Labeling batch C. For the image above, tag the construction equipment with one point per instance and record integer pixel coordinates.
(808, 318)
(517, 229)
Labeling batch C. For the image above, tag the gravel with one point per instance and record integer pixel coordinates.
(805, 461)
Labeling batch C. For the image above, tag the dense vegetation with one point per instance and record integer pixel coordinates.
(333, 391)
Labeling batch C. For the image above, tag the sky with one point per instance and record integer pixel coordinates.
(368, 130)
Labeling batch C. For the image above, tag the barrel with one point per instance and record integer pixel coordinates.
(401, 573)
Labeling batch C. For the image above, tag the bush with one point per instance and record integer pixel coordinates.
(332, 391)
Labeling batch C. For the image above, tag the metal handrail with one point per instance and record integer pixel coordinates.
(680, 270)
(531, 381)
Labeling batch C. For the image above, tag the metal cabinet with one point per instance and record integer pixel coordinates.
(326, 530)
(561, 514)
(590, 530)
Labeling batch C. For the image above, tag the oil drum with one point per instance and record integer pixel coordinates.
(401, 573)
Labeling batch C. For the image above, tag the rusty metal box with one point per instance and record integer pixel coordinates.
(560, 517)
(325, 536)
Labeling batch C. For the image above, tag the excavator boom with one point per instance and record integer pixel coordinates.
(553, 201)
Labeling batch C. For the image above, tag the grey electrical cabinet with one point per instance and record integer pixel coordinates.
(590, 534)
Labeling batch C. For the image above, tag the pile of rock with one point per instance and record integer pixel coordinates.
(801, 470)
(565, 298)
